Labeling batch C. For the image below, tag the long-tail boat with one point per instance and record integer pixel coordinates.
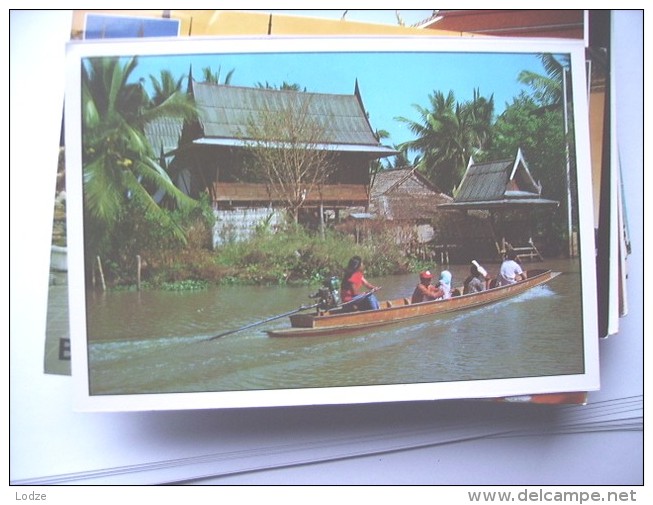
(339, 320)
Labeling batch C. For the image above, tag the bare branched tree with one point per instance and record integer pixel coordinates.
(287, 149)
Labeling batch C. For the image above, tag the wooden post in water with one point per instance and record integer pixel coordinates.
(321, 220)
(99, 265)
(138, 272)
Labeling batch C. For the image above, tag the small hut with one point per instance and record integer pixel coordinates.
(498, 189)
(410, 202)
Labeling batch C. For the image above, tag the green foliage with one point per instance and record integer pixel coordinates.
(540, 134)
(447, 134)
(165, 86)
(121, 171)
(214, 77)
(297, 257)
(547, 89)
(187, 285)
(140, 232)
(173, 236)
(284, 86)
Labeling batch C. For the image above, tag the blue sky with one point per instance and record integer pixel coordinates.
(390, 83)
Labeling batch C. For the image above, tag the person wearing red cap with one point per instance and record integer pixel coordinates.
(425, 291)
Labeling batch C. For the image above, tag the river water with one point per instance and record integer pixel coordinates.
(158, 342)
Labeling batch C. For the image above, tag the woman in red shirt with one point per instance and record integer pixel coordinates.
(353, 280)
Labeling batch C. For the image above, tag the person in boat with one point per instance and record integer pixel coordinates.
(475, 282)
(510, 270)
(444, 284)
(353, 280)
(425, 291)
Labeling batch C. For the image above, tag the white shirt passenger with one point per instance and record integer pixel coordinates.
(508, 273)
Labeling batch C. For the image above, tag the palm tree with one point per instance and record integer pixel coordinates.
(284, 86)
(480, 115)
(212, 77)
(120, 169)
(447, 134)
(547, 89)
(400, 160)
(165, 86)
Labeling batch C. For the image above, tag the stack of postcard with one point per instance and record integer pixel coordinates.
(267, 210)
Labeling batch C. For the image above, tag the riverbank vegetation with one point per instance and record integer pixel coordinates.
(271, 257)
(140, 228)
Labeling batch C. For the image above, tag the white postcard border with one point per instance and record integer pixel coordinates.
(587, 381)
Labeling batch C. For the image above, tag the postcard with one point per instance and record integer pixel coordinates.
(302, 220)
(111, 24)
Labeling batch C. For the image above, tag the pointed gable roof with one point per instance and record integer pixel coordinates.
(224, 113)
(495, 184)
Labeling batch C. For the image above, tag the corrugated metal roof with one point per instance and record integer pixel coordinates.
(498, 184)
(163, 133)
(226, 110)
(495, 180)
(484, 181)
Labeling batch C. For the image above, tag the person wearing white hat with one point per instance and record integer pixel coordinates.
(476, 281)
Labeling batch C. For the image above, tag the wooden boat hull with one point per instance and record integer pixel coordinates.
(401, 310)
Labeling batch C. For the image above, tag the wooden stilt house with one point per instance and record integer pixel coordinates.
(211, 154)
(497, 199)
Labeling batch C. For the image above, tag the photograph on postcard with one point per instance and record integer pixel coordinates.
(302, 220)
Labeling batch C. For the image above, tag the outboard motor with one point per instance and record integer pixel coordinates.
(329, 294)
